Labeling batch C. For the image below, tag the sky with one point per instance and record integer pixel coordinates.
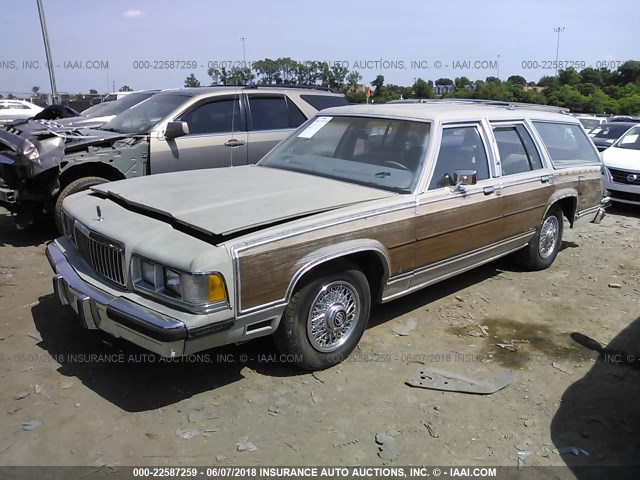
(98, 44)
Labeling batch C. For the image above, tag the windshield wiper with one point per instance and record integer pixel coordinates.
(110, 130)
(382, 174)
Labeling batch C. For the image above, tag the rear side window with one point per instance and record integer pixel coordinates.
(567, 144)
(517, 151)
(274, 113)
(320, 102)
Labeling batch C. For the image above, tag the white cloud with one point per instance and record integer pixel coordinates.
(133, 14)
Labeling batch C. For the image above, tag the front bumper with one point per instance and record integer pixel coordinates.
(123, 318)
(621, 192)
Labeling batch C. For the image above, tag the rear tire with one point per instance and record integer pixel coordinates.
(325, 319)
(545, 244)
(74, 187)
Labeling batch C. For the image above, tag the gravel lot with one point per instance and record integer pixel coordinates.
(94, 400)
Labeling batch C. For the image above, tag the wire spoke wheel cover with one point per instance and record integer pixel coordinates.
(548, 236)
(334, 313)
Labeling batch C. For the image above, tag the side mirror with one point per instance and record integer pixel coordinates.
(462, 178)
(175, 130)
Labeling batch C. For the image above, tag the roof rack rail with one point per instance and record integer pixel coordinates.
(496, 103)
(290, 85)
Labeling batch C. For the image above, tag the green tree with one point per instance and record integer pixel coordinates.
(35, 89)
(191, 81)
(569, 76)
(93, 91)
(462, 82)
(353, 79)
(378, 83)
(591, 75)
(125, 88)
(517, 79)
(628, 72)
(444, 81)
(423, 89)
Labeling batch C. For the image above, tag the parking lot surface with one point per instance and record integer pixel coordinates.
(571, 333)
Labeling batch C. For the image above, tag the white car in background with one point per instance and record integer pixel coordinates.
(11, 110)
(621, 176)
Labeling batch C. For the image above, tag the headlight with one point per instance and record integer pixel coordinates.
(198, 291)
(148, 272)
(30, 151)
(172, 281)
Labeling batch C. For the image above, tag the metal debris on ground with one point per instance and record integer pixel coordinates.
(436, 379)
(521, 456)
(244, 445)
(562, 368)
(31, 425)
(430, 429)
(615, 285)
(187, 433)
(507, 346)
(573, 450)
(202, 413)
(387, 449)
(406, 328)
(21, 395)
(273, 410)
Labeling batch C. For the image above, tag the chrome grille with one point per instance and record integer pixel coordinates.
(103, 255)
(622, 176)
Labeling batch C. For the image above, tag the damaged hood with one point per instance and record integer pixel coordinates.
(226, 201)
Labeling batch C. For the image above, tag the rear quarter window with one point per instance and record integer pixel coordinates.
(567, 144)
(320, 102)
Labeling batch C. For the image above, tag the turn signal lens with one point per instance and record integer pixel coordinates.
(216, 289)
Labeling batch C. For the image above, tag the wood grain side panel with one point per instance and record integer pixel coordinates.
(456, 213)
(266, 270)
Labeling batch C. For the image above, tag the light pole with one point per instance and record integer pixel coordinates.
(244, 57)
(498, 66)
(558, 30)
(47, 51)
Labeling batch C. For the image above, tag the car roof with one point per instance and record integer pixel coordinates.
(206, 91)
(456, 111)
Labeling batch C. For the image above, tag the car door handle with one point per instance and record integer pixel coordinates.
(488, 190)
(545, 178)
(234, 143)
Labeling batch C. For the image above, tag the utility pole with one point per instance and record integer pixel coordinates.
(498, 67)
(47, 51)
(559, 30)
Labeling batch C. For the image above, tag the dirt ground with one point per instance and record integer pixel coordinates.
(96, 400)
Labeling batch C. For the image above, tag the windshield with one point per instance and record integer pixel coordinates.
(612, 130)
(376, 152)
(118, 106)
(142, 117)
(589, 123)
(630, 140)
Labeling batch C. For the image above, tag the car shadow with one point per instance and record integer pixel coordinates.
(421, 298)
(38, 233)
(136, 380)
(599, 413)
(623, 209)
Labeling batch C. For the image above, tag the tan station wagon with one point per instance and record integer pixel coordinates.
(361, 204)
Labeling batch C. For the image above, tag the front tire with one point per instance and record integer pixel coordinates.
(74, 187)
(545, 244)
(325, 319)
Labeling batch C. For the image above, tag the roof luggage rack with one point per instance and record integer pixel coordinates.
(289, 85)
(496, 103)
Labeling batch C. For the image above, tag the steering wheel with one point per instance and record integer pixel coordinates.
(396, 164)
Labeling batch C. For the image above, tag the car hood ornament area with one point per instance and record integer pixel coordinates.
(99, 212)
